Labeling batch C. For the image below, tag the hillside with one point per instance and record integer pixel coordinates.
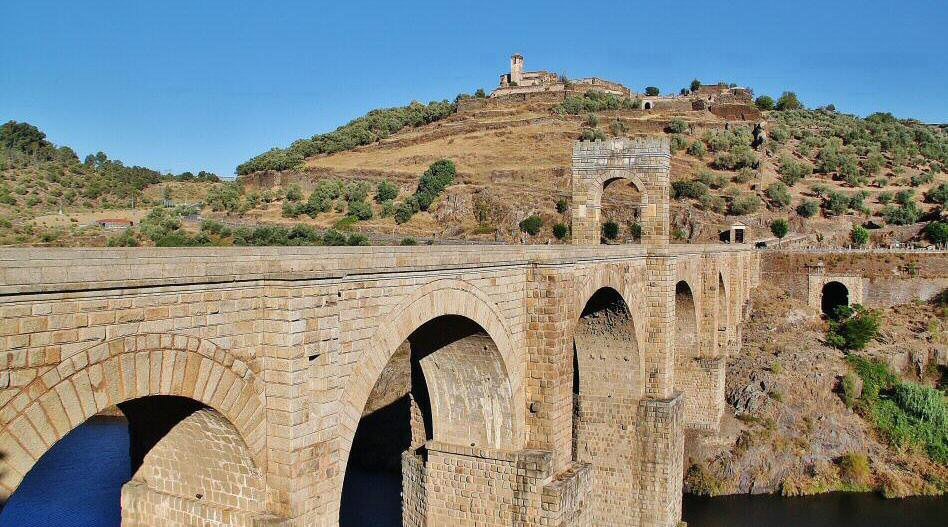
(49, 196)
(822, 170)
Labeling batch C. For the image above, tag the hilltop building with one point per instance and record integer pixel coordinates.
(523, 82)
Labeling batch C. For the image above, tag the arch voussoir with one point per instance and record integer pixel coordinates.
(124, 369)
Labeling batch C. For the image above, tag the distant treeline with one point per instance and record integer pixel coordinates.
(371, 127)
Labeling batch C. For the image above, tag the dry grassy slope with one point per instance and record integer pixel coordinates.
(517, 158)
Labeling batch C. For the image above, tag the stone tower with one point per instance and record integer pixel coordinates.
(516, 68)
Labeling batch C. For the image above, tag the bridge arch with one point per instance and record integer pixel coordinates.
(833, 295)
(463, 389)
(123, 370)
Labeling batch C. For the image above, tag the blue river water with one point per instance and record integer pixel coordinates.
(78, 484)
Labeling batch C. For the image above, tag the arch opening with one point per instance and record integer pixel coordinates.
(621, 204)
(155, 444)
(834, 295)
(686, 320)
(647, 105)
(723, 318)
(607, 387)
(446, 382)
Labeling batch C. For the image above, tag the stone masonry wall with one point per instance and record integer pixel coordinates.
(286, 344)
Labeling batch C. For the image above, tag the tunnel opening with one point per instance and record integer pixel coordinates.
(89, 465)
(834, 295)
(620, 212)
(445, 382)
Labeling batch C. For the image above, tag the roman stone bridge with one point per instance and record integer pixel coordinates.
(508, 385)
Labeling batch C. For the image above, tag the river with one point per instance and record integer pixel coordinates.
(78, 483)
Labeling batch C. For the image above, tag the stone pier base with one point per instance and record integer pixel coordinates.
(662, 443)
(701, 383)
(460, 486)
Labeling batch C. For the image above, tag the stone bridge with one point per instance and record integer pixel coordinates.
(509, 385)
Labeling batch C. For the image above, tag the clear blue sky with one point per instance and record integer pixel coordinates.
(191, 85)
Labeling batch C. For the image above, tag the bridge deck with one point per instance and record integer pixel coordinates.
(32, 270)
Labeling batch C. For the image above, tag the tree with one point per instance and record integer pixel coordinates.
(360, 210)
(789, 101)
(808, 208)
(651, 91)
(779, 228)
(859, 235)
(531, 225)
(695, 84)
(937, 232)
(562, 205)
(779, 194)
(385, 191)
(610, 230)
(765, 102)
(560, 231)
(480, 94)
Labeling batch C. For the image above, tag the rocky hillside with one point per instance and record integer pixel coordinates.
(789, 427)
(821, 170)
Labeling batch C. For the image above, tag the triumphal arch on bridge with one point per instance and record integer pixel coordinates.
(506, 385)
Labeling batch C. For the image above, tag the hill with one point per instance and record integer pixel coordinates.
(49, 196)
(822, 170)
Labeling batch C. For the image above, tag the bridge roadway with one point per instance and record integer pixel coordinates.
(549, 385)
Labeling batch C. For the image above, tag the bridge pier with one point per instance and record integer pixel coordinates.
(464, 486)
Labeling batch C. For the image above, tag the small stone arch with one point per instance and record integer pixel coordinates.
(122, 370)
(647, 105)
(645, 162)
(833, 295)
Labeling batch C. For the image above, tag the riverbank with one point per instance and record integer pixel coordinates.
(787, 429)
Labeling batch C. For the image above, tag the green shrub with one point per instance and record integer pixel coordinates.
(884, 197)
(677, 126)
(333, 237)
(677, 142)
(901, 215)
(779, 195)
(854, 328)
(700, 481)
(792, 171)
(404, 211)
(745, 204)
(635, 230)
(688, 189)
(744, 175)
(922, 179)
(836, 204)
(360, 210)
(560, 231)
(124, 239)
(697, 148)
(408, 242)
(356, 239)
(713, 203)
(592, 134)
(938, 195)
(711, 180)
(808, 208)
(562, 205)
(592, 120)
(531, 225)
(610, 230)
(594, 101)
(906, 414)
(293, 193)
(385, 191)
(738, 157)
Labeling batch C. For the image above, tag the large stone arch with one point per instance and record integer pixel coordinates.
(645, 162)
(439, 298)
(122, 370)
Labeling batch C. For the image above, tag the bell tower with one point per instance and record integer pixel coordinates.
(516, 68)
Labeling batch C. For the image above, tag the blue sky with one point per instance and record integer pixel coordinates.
(192, 85)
